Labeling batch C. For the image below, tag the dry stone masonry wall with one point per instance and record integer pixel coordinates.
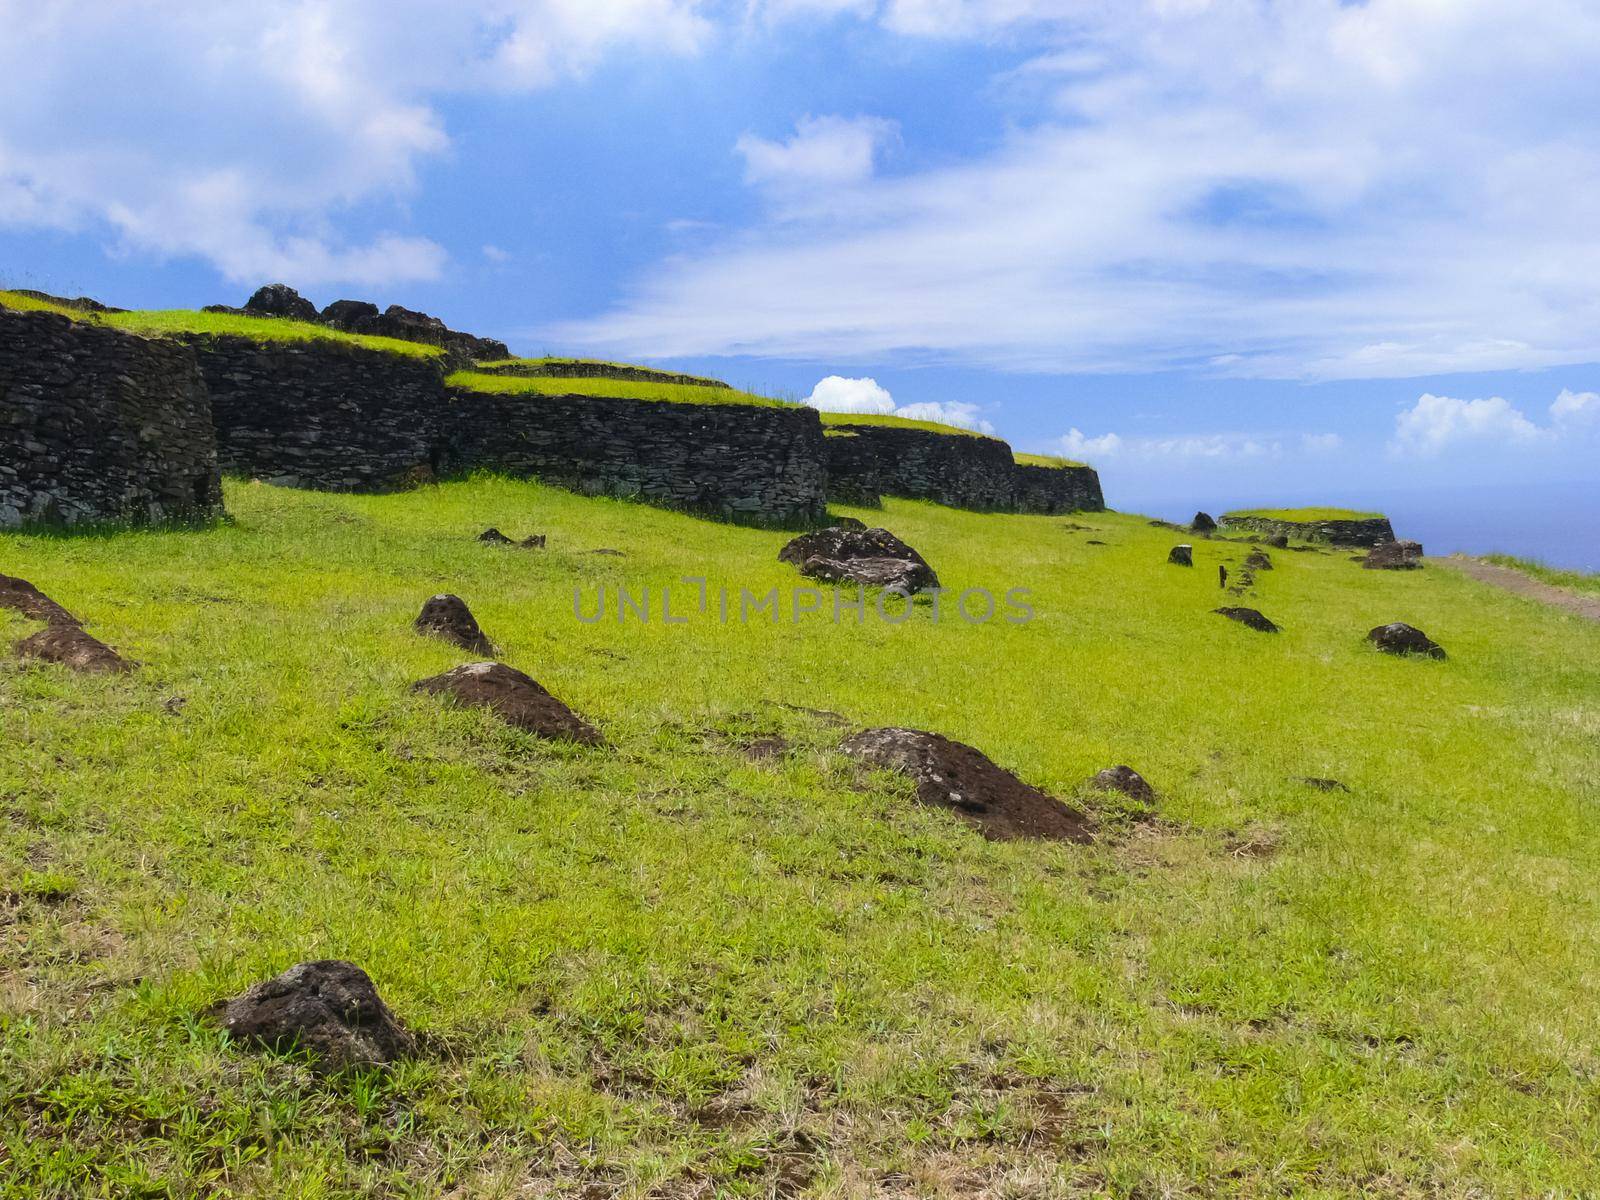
(1373, 531)
(100, 425)
(1062, 489)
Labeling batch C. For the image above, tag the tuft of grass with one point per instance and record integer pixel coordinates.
(662, 969)
(1577, 581)
(844, 420)
(1305, 514)
(1046, 460)
(622, 389)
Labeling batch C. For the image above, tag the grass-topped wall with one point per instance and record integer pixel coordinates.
(871, 459)
(1339, 526)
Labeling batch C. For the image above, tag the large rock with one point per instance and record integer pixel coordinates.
(516, 698)
(1394, 556)
(1203, 524)
(1248, 617)
(67, 644)
(1258, 560)
(280, 300)
(873, 557)
(1400, 638)
(327, 1009)
(950, 774)
(1181, 556)
(448, 617)
(348, 314)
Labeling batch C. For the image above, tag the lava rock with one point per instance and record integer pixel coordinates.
(1257, 560)
(327, 1009)
(894, 574)
(1278, 541)
(448, 617)
(1182, 556)
(1249, 618)
(1202, 524)
(1400, 638)
(1126, 781)
(1394, 556)
(280, 300)
(837, 548)
(66, 643)
(493, 537)
(515, 698)
(534, 541)
(348, 314)
(952, 775)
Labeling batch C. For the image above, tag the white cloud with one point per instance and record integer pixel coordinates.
(824, 152)
(1435, 423)
(234, 133)
(1303, 189)
(1192, 447)
(1320, 443)
(838, 394)
(1074, 444)
(1575, 408)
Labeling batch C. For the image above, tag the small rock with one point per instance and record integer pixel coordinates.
(1125, 780)
(949, 774)
(1400, 638)
(607, 552)
(534, 541)
(448, 617)
(1278, 541)
(70, 646)
(1323, 785)
(1202, 524)
(1182, 556)
(1394, 556)
(1093, 542)
(280, 300)
(1257, 560)
(327, 1009)
(1222, 575)
(1248, 617)
(494, 537)
(516, 698)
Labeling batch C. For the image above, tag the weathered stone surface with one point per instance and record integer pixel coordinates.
(100, 425)
(1258, 560)
(515, 697)
(347, 314)
(869, 461)
(448, 617)
(897, 574)
(1365, 532)
(830, 555)
(949, 774)
(1400, 638)
(1278, 541)
(1249, 618)
(1394, 556)
(493, 537)
(1202, 524)
(326, 1009)
(280, 300)
(1041, 489)
(1125, 780)
(20, 596)
(1181, 556)
(66, 643)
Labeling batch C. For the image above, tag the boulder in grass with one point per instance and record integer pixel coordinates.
(1125, 780)
(896, 574)
(1258, 560)
(1203, 524)
(1249, 618)
(1181, 556)
(448, 617)
(280, 300)
(1394, 556)
(1400, 638)
(830, 555)
(71, 647)
(493, 537)
(515, 698)
(949, 774)
(327, 1009)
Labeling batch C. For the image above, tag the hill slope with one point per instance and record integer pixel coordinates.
(661, 968)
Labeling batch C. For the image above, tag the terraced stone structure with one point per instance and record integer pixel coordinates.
(1355, 531)
(1063, 488)
(866, 462)
(100, 425)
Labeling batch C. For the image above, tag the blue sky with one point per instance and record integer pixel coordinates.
(1303, 250)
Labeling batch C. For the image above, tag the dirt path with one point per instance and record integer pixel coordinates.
(1523, 585)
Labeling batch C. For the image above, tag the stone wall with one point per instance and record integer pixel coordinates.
(321, 414)
(747, 463)
(1370, 532)
(100, 425)
(954, 469)
(1057, 489)
(558, 369)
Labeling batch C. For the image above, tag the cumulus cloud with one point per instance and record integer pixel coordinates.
(1075, 444)
(1305, 189)
(1575, 408)
(235, 133)
(1435, 423)
(838, 394)
(824, 152)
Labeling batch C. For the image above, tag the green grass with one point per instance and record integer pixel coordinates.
(1577, 581)
(845, 420)
(622, 389)
(17, 302)
(1305, 514)
(661, 970)
(1045, 460)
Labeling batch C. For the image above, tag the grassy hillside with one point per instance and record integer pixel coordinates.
(845, 420)
(671, 393)
(661, 969)
(1046, 460)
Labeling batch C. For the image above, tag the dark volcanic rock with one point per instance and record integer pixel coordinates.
(836, 551)
(494, 537)
(516, 698)
(1394, 556)
(327, 1009)
(1400, 638)
(66, 643)
(1323, 785)
(1248, 617)
(534, 541)
(1278, 541)
(1202, 523)
(348, 314)
(21, 596)
(1257, 560)
(1182, 556)
(1125, 780)
(448, 617)
(280, 300)
(1222, 575)
(952, 775)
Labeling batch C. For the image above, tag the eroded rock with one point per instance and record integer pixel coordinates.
(493, 537)
(515, 698)
(1400, 638)
(1248, 617)
(1258, 560)
(1202, 524)
(327, 1009)
(871, 557)
(1181, 556)
(896, 574)
(1394, 556)
(448, 617)
(280, 300)
(949, 774)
